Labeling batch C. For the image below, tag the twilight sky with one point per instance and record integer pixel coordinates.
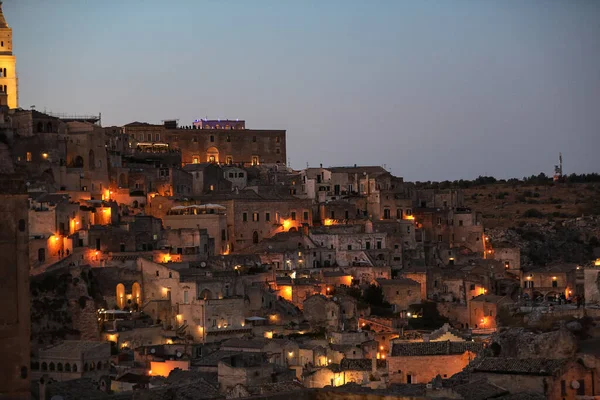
(433, 89)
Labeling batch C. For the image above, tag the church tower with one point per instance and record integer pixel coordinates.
(8, 64)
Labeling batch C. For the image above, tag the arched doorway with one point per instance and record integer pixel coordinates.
(206, 295)
(212, 155)
(136, 293)
(91, 160)
(120, 292)
(255, 237)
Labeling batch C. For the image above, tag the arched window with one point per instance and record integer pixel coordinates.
(255, 237)
(120, 292)
(85, 367)
(74, 367)
(49, 127)
(136, 293)
(92, 366)
(52, 366)
(40, 126)
(42, 254)
(206, 295)
(59, 367)
(78, 162)
(67, 367)
(44, 366)
(99, 365)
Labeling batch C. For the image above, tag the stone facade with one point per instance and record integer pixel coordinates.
(401, 293)
(226, 146)
(421, 362)
(73, 359)
(14, 293)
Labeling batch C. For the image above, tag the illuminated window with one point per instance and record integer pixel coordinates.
(229, 160)
(277, 139)
(28, 156)
(211, 159)
(254, 160)
(255, 217)
(195, 159)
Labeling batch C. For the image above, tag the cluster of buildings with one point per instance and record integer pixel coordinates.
(192, 258)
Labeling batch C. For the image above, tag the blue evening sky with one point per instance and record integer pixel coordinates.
(432, 89)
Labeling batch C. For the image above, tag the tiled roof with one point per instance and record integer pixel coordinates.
(333, 274)
(443, 330)
(519, 366)
(479, 390)
(434, 348)
(492, 298)
(74, 346)
(213, 358)
(400, 281)
(277, 387)
(360, 364)
(244, 343)
(522, 396)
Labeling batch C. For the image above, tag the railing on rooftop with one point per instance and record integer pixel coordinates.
(76, 117)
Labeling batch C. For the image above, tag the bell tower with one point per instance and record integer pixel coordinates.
(8, 64)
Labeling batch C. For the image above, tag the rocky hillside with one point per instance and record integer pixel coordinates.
(63, 306)
(506, 205)
(574, 240)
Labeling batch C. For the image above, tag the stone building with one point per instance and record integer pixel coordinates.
(400, 293)
(420, 362)
(74, 359)
(14, 289)
(245, 369)
(222, 145)
(9, 82)
(483, 310)
(567, 379)
(549, 282)
(211, 217)
(208, 177)
(321, 311)
(252, 217)
(237, 176)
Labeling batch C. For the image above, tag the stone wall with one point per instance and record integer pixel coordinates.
(85, 320)
(454, 312)
(423, 369)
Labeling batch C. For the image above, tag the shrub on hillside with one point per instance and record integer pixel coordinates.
(533, 213)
